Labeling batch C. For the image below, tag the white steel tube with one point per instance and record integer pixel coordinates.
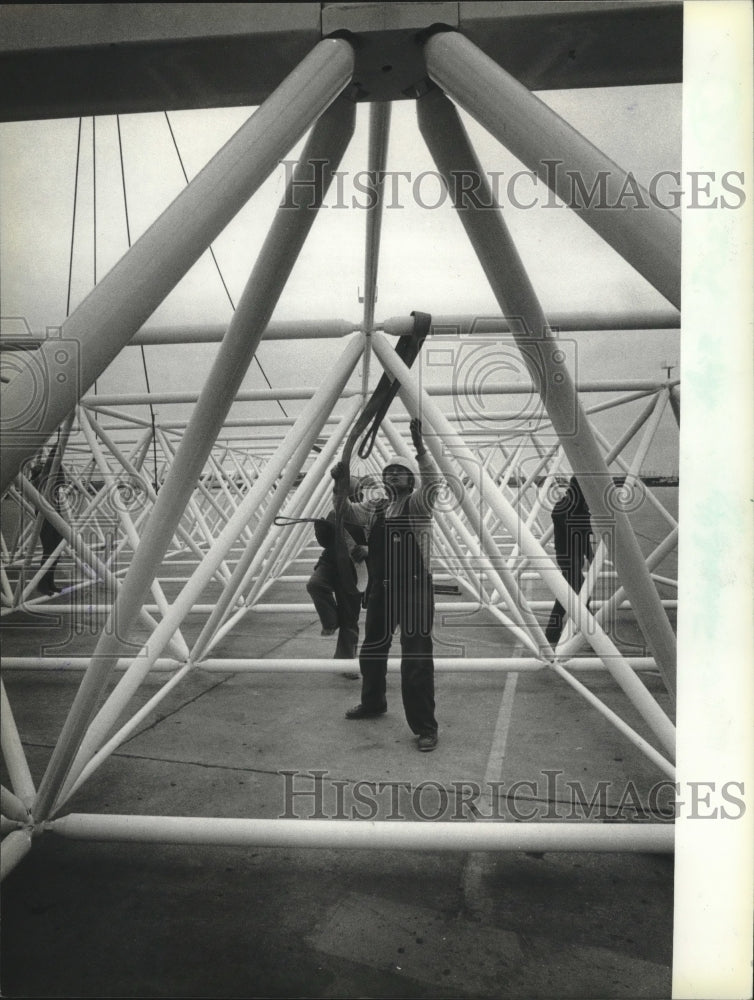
(502, 475)
(488, 232)
(305, 329)
(12, 807)
(327, 142)
(140, 450)
(418, 402)
(379, 127)
(630, 432)
(243, 396)
(655, 413)
(492, 416)
(13, 848)
(467, 606)
(398, 326)
(647, 235)
(134, 422)
(369, 834)
(123, 300)
(305, 392)
(568, 322)
(71, 787)
(6, 594)
(450, 664)
(609, 404)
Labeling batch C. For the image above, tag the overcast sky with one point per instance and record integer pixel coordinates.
(426, 262)
(640, 128)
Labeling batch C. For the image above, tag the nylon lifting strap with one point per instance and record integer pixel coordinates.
(324, 530)
(374, 413)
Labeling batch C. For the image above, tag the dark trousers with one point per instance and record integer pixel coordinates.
(571, 568)
(336, 607)
(50, 538)
(412, 608)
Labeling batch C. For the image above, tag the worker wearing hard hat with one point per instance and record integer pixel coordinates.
(399, 535)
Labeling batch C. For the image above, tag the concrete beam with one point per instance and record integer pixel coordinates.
(563, 44)
(66, 60)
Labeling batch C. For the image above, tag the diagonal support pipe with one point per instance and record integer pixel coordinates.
(644, 233)
(279, 473)
(276, 260)
(124, 299)
(452, 151)
(379, 128)
(13, 752)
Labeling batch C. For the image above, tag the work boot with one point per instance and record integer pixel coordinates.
(427, 741)
(363, 712)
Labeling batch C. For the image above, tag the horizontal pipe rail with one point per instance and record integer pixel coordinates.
(306, 392)
(655, 838)
(570, 322)
(395, 326)
(448, 664)
(213, 333)
(282, 609)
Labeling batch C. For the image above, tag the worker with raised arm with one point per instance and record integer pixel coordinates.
(399, 535)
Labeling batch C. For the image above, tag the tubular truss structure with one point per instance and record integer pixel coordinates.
(147, 502)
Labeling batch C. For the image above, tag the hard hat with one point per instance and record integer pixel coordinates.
(403, 463)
